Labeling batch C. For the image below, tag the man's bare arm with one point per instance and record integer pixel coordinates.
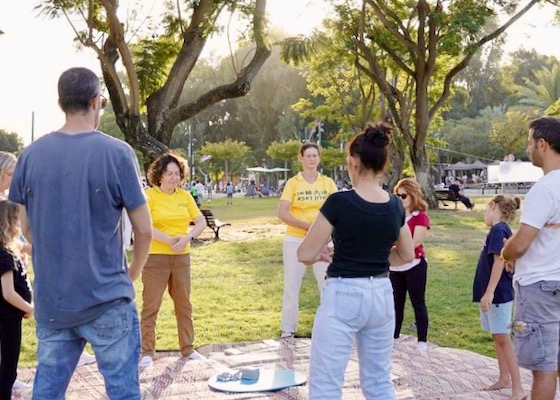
(142, 229)
(516, 246)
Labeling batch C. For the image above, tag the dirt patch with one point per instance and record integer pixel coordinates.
(241, 232)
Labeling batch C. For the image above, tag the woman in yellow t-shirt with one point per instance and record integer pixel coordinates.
(169, 263)
(301, 199)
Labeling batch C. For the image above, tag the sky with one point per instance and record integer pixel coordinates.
(34, 51)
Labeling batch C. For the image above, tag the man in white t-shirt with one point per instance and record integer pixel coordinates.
(534, 253)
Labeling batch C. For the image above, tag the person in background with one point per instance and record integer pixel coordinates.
(301, 199)
(456, 188)
(15, 296)
(7, 165)
(493, 289)
(169, 264)
(72, 185)
(194, 191)
(200, 189)
(229, 193)
(357, 302)
(534, 253)
(411, 278)
(209, 190)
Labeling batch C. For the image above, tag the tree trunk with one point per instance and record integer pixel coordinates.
(421, 166)
(395, 172)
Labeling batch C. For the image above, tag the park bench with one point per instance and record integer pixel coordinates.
(444, 195)
(213, 223)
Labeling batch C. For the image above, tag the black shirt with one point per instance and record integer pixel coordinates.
(10, 262)
(363, 233)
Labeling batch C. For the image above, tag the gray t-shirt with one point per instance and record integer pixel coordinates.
(74, 188)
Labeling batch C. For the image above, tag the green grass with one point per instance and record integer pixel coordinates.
(237, 286)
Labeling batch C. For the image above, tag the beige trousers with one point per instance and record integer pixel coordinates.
(173, 272)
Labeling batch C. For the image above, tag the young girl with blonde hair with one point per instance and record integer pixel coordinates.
(493, 289)
(15, 299)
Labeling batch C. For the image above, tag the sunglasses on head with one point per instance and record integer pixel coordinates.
(402, 195)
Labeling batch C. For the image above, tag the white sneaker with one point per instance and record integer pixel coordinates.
(422, 347)
(85, 359)
(287, 335)
(20, 385)
(196, 356)
(146, 362)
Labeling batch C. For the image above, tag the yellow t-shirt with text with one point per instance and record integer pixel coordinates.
(171, 214)
(306, 199)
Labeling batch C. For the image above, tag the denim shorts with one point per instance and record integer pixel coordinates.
(536, 326)
(498, 319)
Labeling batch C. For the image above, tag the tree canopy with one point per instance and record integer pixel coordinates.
(146, 62)
(413, 51)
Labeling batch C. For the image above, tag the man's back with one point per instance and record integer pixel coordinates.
(74, 188)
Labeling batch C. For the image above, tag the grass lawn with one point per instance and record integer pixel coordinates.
(237, 285)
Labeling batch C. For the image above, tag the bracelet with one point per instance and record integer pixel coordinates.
(502, 256)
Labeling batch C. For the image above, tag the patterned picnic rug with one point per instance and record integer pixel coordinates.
(441, 373)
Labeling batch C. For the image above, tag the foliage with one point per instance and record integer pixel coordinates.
(158, 58)
(332, 159)
(285, 151)
(464, 137)
(413, 52)
(10, 142)
(544, 92)
(510, 133)
(231, 152)
(480, 84)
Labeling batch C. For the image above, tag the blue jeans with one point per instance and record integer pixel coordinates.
(115, 338)
(360, 309)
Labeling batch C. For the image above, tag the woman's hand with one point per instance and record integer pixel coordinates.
(171, 240)
(181, 243)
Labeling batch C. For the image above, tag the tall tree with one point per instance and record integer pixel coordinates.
(413, 51)
(158, 58)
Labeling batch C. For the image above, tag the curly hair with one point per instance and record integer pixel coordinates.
(414, 190)
(508, 206)
(159, 165)
(9, 223)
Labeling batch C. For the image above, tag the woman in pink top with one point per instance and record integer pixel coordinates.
(411, 278)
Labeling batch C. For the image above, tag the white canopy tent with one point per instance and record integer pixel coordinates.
(514, 172)
(269, 170)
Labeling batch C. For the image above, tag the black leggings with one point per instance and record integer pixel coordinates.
(10, 344)
(412, 281)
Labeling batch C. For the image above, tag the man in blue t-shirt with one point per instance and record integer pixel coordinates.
(73, 185)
